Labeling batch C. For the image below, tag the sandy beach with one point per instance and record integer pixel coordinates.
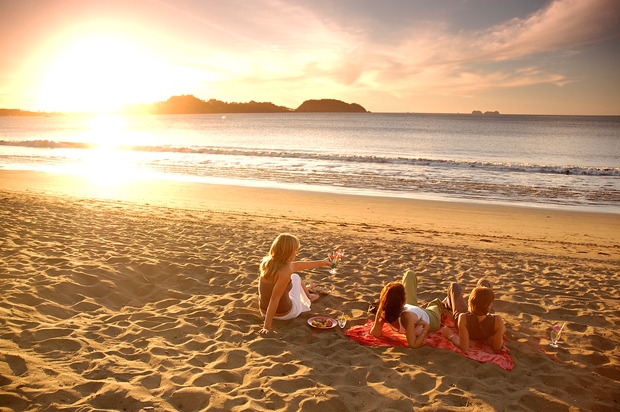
(142, 296)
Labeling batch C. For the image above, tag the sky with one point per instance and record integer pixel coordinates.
(435, 56)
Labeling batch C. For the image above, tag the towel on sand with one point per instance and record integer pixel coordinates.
(479, 351)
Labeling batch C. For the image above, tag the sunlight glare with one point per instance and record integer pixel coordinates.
(103, 74)
(107, 131)
(108, 164)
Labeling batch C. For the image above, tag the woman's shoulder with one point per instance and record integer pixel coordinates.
(407, 316)
(285, 272)
(497, 318)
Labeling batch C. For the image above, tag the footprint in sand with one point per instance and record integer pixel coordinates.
(208, 379)
(48, 333)
(16, 363)
(58, 345)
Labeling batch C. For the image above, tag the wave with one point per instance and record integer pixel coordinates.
(368, 159)
(48, 144)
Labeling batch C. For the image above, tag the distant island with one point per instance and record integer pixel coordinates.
(18, 112)
(188, 104)
(478, 113)
(330, 105)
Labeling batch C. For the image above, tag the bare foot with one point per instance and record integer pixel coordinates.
(313, 297)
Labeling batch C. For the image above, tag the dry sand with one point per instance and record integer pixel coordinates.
(142, 296)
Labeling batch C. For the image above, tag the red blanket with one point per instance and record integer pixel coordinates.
(479, 351)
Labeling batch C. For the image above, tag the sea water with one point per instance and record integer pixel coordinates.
(543, 161)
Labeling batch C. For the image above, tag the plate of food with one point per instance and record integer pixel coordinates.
(322, 322)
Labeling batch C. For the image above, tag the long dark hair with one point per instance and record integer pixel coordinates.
(391, 302)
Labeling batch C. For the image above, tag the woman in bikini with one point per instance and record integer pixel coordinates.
(398, 306)
(282, 294)
(475, 320)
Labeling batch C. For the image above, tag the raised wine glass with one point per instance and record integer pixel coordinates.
(334, 259)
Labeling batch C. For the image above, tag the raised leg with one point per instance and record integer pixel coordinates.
(410, 281)
(455, 302)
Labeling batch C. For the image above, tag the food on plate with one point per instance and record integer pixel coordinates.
(322, 323)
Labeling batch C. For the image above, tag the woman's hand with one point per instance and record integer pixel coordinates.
(263, 331)
(454, 338)
(377, 327)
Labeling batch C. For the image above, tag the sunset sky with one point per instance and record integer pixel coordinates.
(435, 56)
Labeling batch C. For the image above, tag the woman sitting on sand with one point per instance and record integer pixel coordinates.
(282, 294)
(475, 320)
(398, 306)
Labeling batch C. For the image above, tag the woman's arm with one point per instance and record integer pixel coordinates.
(304, 265)
(498, 336)
(462, 340)
(284, 278)
(408, 320)
(377, 328)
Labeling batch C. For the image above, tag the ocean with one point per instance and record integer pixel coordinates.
(557, 162)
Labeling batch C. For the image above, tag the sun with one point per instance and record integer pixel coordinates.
(101, 74)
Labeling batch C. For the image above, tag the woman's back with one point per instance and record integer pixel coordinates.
(264, 293)
(480, 327)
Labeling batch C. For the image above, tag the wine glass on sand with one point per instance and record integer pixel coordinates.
(555, 334)
(342, 320)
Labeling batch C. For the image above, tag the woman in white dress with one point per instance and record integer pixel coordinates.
(282, 294)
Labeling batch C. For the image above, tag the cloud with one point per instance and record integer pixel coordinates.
(565, 24)
(284, 42)
(512, 54)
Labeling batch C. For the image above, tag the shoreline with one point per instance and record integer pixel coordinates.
(607, 207)
(569, 233)
(143, 296)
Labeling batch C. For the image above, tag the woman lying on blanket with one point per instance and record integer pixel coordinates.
(282, 294)
(474, 321)
(398, 307)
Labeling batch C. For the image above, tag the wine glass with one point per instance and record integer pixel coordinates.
(334, 259)
(554, 337)
(342, 320)
(555, 334)
(371, 309)
(333, 270)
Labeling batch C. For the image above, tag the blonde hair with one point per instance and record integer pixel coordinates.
(279, 255)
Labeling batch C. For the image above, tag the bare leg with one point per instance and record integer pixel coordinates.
(312, 296)
(455, 302)
(410, 281)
